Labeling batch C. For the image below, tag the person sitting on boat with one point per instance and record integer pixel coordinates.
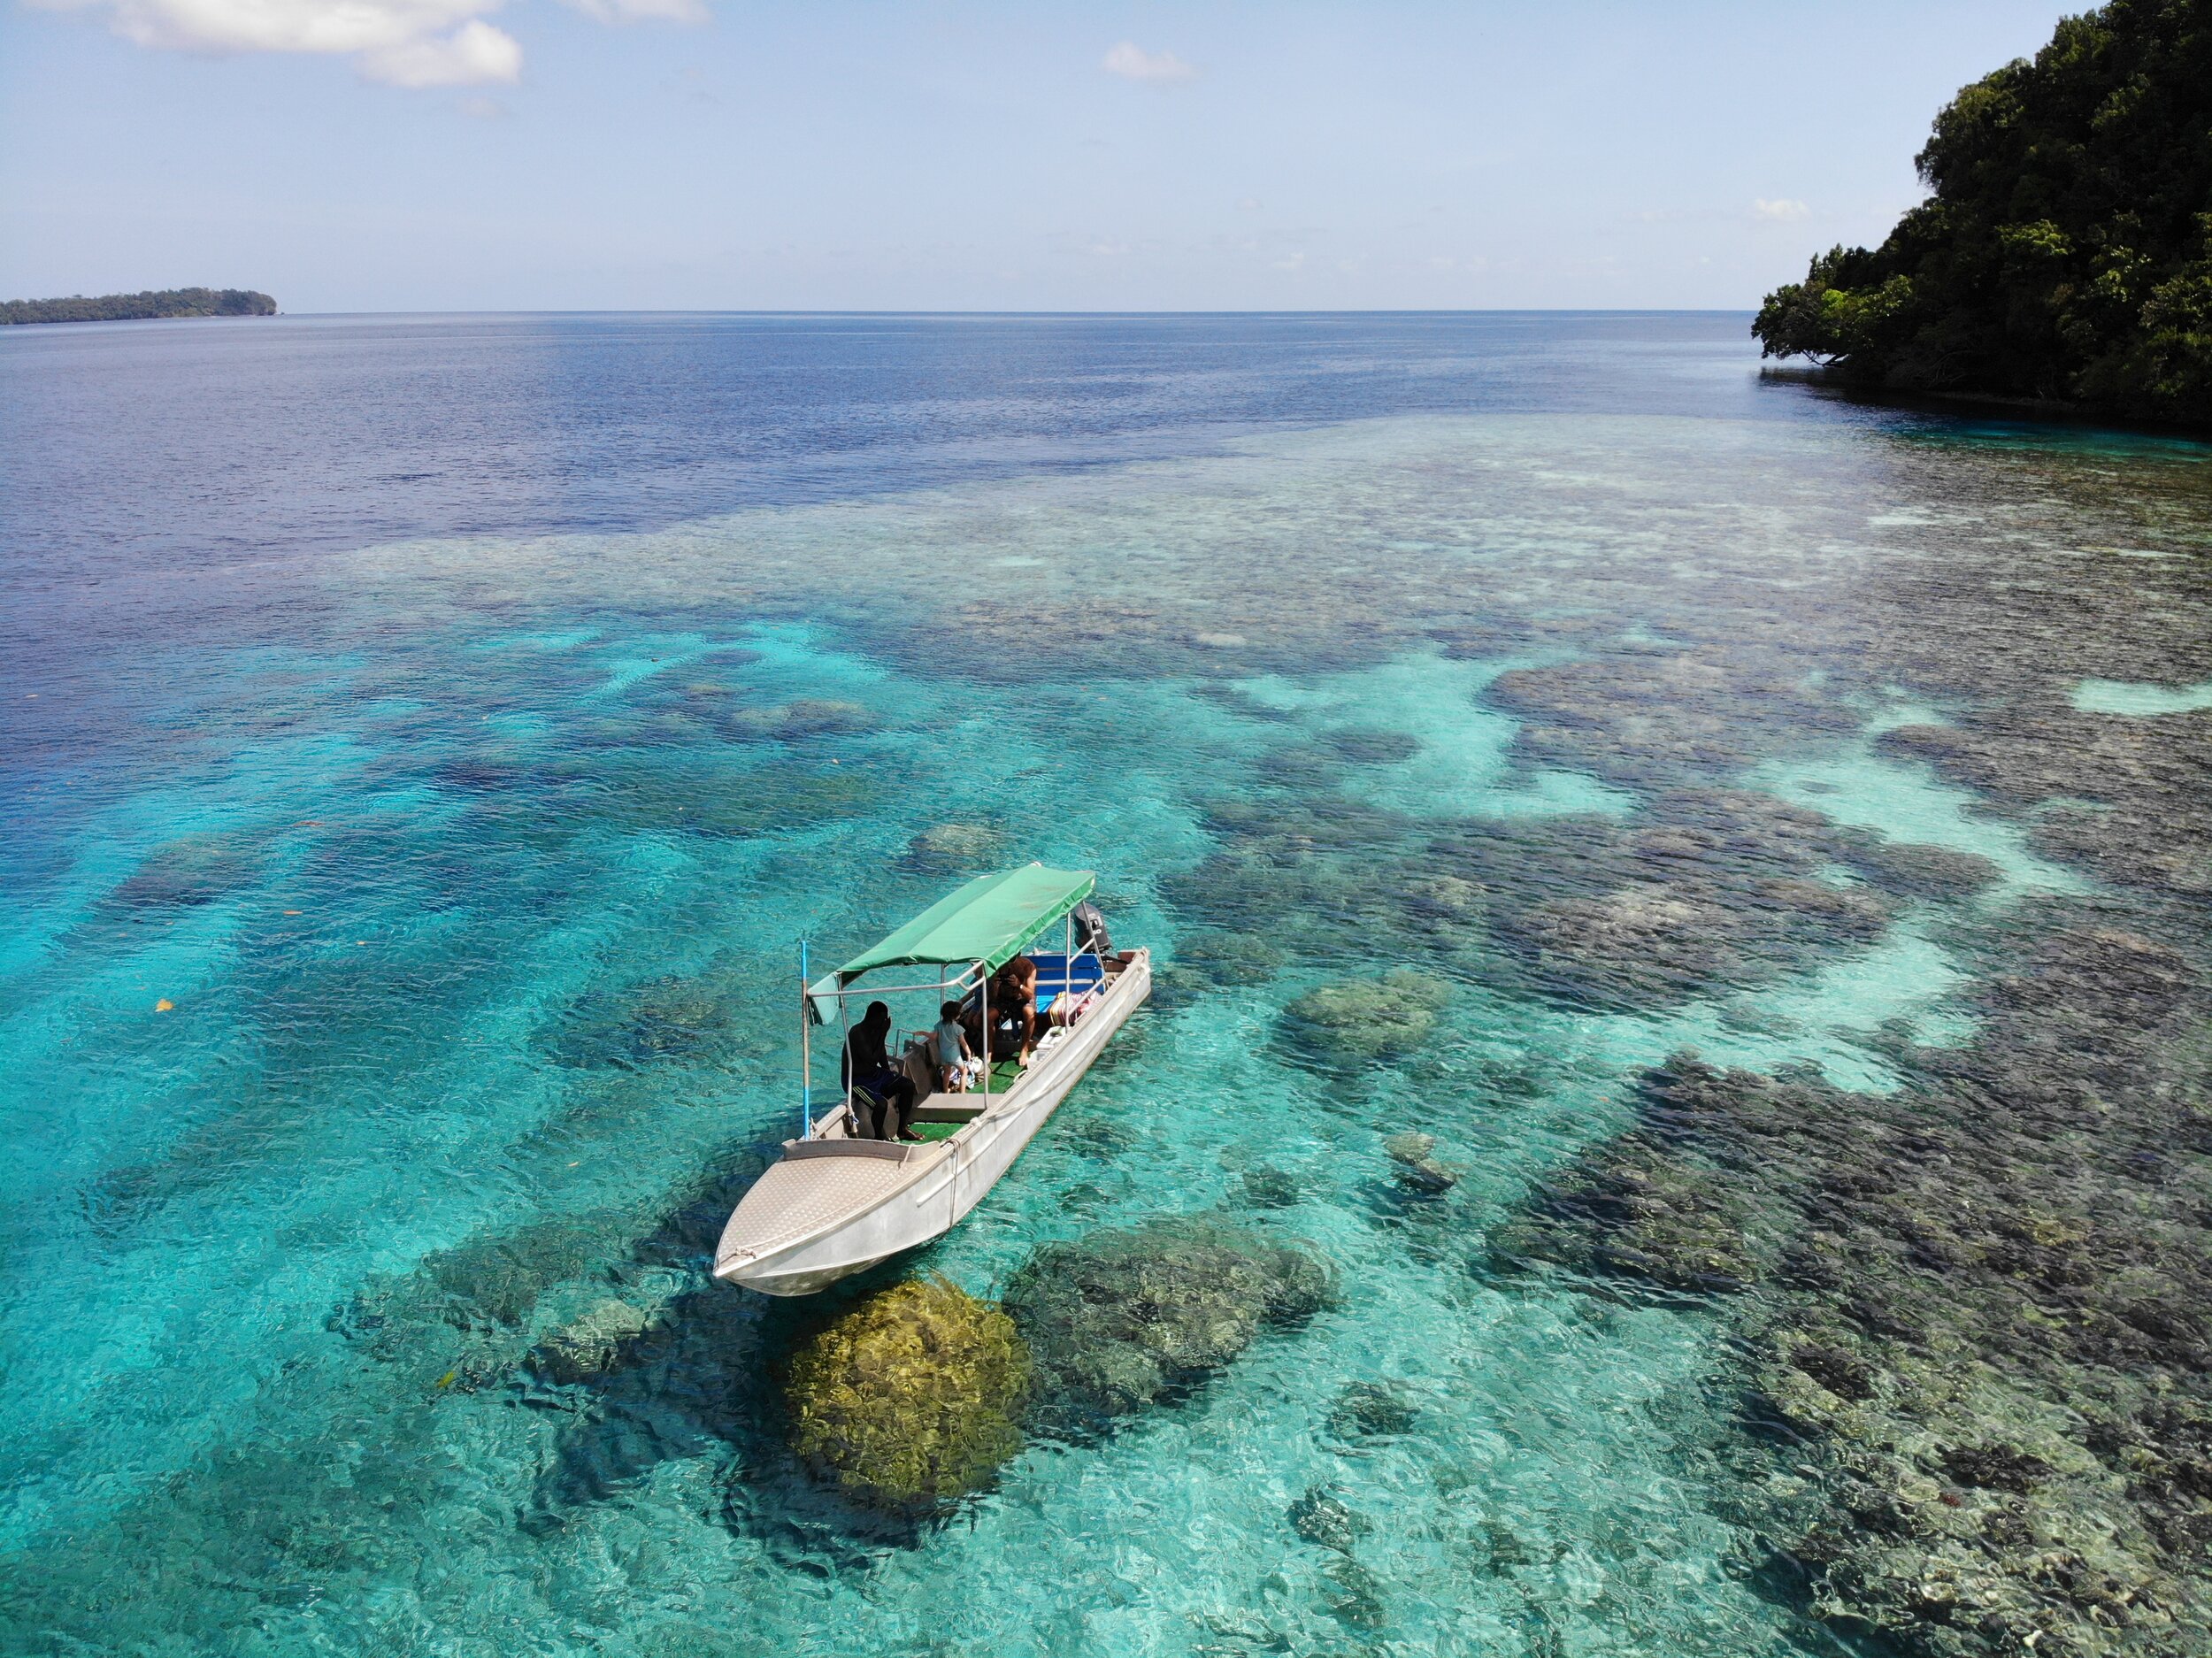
(1014, 1010)
(1025, 970)
(956, 1067)
(881, 1092)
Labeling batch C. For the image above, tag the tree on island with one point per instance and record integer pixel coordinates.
(174, 302)
(2066, 250)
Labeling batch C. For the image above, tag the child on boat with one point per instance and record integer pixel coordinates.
(957, 1068)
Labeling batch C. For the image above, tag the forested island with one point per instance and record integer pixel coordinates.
(170, 302)
(2065, 253)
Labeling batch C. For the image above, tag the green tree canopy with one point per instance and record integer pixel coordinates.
(171, 302)
(2065, 251)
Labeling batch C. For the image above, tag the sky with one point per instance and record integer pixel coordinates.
(555, 154)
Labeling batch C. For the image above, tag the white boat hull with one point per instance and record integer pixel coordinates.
(833, 1206)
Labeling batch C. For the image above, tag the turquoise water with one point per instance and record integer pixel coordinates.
(399, 960)
(2110, 696)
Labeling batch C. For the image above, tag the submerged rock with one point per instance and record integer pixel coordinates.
(1501, 1551)
(1995, 1467)
(1355, 1597)
(911, 1398)
(1844, 1374)
(1121, 1319)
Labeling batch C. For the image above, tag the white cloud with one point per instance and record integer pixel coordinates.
(400, 42)
(1131, 62)
(1781, 212)
(471, 56)
(643, 11)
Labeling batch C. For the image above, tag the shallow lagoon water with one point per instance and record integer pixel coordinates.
(471, 853)
(2108, 696)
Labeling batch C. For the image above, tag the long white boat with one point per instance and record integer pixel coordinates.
(836, 1202)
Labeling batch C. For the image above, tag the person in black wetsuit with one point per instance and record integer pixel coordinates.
(868, 1067)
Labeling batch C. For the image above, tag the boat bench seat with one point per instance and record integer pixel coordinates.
(1060, 976)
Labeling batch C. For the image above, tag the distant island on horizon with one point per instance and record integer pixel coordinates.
(169, 302)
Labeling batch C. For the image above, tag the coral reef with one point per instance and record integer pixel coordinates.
(1267, 1187)
(186, 873)
(674, 1017)
(1415, 1166)
(608, 793)
(1659, 716)
(1368, 746)
(1319, 877)
(1119, 1320)
(461, 1317)
(913, 1398)
(1912, 870)
(1355, 1022)
(1219, 958)
(955, 848)
(1372, 1410)
(1326, 1521)
(2128, 797)
(590, 1346)
(1977, 1366)
(1631, 1210)
(1707, 889)
(796, 721)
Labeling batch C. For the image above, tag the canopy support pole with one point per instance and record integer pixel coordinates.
(845, 1057)
(806, 1051)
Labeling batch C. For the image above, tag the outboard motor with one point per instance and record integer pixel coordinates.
(1090, 930)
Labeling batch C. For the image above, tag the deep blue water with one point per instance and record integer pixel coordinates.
(423, 741)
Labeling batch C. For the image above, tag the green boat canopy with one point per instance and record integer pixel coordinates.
(991, 920)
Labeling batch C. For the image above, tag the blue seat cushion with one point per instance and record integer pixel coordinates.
(1057, 976)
